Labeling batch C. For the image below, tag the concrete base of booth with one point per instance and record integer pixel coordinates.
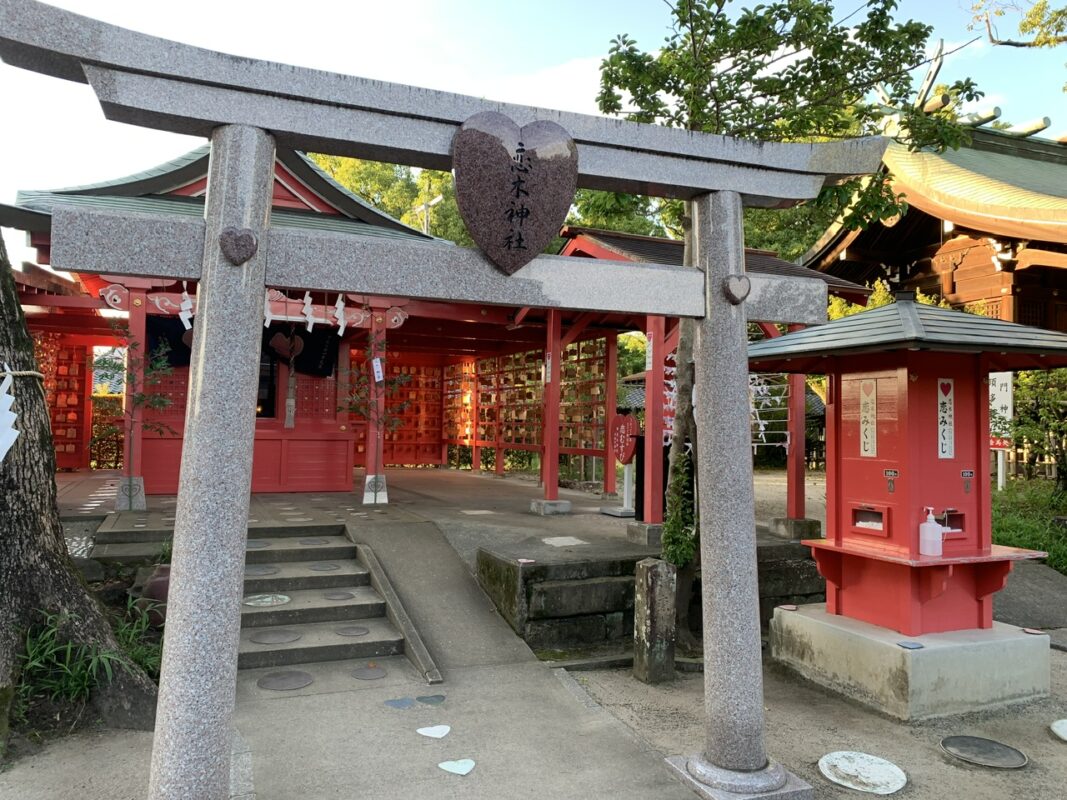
(795, 528)
(550, 508)
(951, 673)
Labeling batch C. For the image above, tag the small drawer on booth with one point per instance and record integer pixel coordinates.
(869, 519)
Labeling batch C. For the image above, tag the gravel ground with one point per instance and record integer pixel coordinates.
(804, 722)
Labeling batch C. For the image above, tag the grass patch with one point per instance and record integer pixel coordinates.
(1022, 517)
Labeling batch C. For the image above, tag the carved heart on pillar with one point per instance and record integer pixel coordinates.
(514, 186)
(238, 244)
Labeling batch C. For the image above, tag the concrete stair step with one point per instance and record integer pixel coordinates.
(292, 575)
(119, 534)
(127, 552)
(291, 548)
(311, 605)
(319, 641)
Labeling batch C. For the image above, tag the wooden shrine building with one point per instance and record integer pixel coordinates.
(986, 227)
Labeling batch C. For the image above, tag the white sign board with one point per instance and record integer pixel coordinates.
(379, 375)
(1001, 403)
(946, 418)
(869, 419)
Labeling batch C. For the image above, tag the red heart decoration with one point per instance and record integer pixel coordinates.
(868, 387)
(623, 433)
(946, 387)
(514, 186)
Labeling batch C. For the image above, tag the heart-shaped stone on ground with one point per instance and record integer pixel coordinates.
(461, 767)
(238, 244)
(435, 731)
(514, 186)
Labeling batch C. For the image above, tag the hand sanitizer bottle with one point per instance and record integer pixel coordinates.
(930, 535)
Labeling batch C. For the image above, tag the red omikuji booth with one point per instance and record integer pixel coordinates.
(907, 430)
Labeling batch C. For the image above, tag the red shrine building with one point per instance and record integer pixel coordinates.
(453, 374)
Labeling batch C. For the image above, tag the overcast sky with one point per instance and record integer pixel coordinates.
(53, 132)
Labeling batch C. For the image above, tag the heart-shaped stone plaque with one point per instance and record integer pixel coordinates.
(238, 244)
(514, 185)
(461, 767)
(736, 288)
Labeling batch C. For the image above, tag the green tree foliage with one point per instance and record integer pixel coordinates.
(1041, 417)
(615, 211)
(632, 347)
(1040, 23)
(881, 295)
(402, 192)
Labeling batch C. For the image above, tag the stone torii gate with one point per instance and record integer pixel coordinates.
(246, 106)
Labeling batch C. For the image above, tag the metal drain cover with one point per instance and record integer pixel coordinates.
(984, 752)
(285, 681)
(314, 540)
(266, 600)
(862, 772)
(274, 637)
(339, 596)
(259, 570)
(352, 630)
(324, 567)
(256, 544)
(371, 672)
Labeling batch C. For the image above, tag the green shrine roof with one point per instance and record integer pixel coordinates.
(907, 325)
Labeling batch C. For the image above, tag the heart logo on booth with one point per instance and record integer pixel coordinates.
(238, 244)
(514, 186)
(868, 387)
(946, 387)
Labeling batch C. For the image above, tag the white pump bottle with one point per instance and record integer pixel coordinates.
(930, 535)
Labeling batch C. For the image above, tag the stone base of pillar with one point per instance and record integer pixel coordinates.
(616, 511)
(793, 529)
(646, 533)
(549, 508)
(789, 786)
(936, 675)
(375, 491)
(129, 494)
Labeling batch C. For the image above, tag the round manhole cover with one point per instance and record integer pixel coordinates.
(371, 672)
(352, 630)
(256, 544)
(274, 637)
(324, 566)
(314, 540)
(862, 772)
(984, 752)
(266, 600)
(285, 681)
(339, 596)
(260, 570)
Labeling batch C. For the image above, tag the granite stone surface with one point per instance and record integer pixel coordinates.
(733, 677)
(514, 186)
(192, 746)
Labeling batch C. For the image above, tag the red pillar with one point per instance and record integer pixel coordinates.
(655, 329)
(610, 400)
(498, 458)
(796, 457)
(375, 429)
(342, 387)
(550, 435)
(476, 401)
(137, 357)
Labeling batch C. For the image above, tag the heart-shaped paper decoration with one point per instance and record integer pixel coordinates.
(238, 244)
(435, 731)
(623, 431)
(736, 288)
(461, 767)
(514, 186)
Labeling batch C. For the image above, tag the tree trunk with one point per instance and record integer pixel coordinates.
(685, 435)
(36, 573)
